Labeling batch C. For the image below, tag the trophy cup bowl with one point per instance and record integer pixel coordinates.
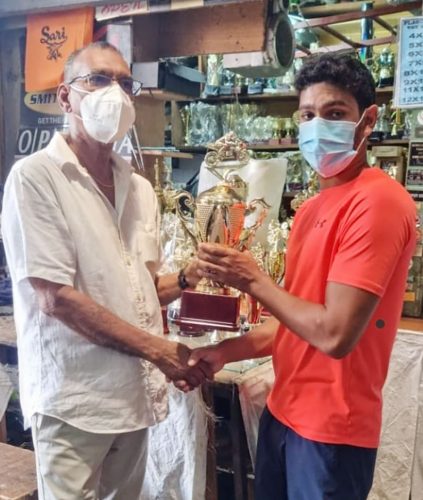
(219, 217)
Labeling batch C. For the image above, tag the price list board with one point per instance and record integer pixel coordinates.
(408, 92)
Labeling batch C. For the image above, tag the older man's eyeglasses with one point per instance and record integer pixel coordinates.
(95, 81)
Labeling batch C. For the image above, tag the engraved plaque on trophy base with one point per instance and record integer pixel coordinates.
(201, 312)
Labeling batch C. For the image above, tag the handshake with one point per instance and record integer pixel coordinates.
(188, 368)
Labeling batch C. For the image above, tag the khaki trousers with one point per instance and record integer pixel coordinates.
(74, 465)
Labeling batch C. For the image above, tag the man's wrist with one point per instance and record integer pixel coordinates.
(183, 281)
(188, 275)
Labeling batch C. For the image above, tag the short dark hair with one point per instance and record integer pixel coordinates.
(342, 70)
(69, 64)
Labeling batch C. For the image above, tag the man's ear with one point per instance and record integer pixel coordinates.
(370, 119)
(63, 97)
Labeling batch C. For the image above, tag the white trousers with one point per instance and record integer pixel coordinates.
(76, 465)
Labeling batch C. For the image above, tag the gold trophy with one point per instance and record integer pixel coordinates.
(271, 259)
(218, 217)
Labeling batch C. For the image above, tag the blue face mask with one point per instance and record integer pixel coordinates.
(328, 145)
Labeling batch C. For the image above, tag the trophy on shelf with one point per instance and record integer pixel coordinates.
(228, 82)
(397, 123)
(163, 187)
(218, 216)
(382, 128)
(271, 259)
(185, 113)
(386, 68)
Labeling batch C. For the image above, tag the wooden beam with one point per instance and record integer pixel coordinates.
(383, 40)
(3, 431)
(150, 124)
(145, 45)
(352, 16)
(342, 7)
(385, 25)
(218, 29)
(24, 7)
(340, 36)
(10, 88)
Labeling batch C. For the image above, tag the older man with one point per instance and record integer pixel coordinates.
(81, 234)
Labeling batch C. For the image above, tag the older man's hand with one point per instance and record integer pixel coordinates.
(210, 356)
(173, 363)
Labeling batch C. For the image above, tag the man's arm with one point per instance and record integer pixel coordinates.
(256, 343)
(333, 327)
(100, 326)
(167, 285)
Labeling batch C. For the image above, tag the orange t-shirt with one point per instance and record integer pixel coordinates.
(361, 234)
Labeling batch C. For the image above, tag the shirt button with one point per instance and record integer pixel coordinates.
(128, 262)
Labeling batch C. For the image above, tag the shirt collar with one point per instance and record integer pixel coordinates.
(62, 155)
(59, 151)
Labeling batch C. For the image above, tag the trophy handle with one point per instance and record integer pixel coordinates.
(251, 207)
(184, 215)
(248, 233)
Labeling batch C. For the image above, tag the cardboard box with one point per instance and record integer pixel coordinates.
(169, 76)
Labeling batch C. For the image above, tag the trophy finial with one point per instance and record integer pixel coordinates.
(228, 151)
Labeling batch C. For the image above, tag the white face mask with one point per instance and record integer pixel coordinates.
(107, 113)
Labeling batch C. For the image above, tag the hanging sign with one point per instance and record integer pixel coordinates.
(121, 9)
(408, 92)
(50, 39)
(41, 116)
(133, 8)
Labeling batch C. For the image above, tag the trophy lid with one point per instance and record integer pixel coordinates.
(221, 194)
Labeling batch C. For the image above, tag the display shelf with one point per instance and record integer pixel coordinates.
(413, 324)
(254, 147)
(280, 105)
(288, 147)
(390, 142)
(328, 21)
(346, 8)
(165, 95)
(289, 95)
(167, 154)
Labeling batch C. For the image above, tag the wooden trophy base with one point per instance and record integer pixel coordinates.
(201, 312)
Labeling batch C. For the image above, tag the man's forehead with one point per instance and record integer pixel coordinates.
(326, 94)
(100, 59)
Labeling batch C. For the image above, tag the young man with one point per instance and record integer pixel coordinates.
(81, 234)
(335, 320)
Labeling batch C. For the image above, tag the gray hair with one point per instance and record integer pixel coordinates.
(68, 72)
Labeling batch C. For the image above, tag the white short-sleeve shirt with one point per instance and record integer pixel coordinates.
(58, 226)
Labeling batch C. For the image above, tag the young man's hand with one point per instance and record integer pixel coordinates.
(229, 266)
(210, 356)
(173, 362)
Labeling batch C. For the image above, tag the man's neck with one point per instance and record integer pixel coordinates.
(92, 155)
(352, 171)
